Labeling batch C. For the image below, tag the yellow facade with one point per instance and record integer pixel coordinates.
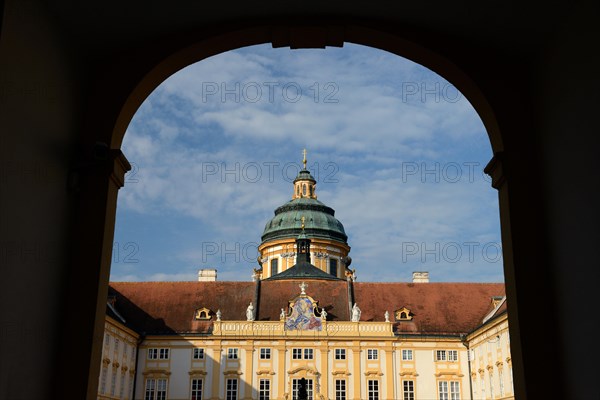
(355, 353)
(491, 366)
(119, 352)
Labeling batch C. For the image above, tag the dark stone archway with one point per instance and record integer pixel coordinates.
(72, 75)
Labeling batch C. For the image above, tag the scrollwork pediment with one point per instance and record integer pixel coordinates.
(341, 372)
(307, 369)
(265, 372)
(232, 372)
(158, 372)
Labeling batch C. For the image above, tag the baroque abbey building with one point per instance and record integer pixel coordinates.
(304, 315)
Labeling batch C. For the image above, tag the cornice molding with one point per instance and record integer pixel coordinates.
(495, 170)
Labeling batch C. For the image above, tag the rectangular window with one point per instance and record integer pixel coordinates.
(117, 342)
(407, 355)
(231, 389)
(150, 392)
(296, 354)
(106, 340)
(452, 355)
(308, 354)
(122, 386)
(454, 390)
(232, 354)
(440, 355)
(196, 389)
(161, 389)
(198, 354)
(163, 354)
(156, 389)
(373, 389)
(408, 390)
(152, 354)
(264, 389)
(158, 354)
(443, 390)
(340, 354)
(482, 386)
(132, 354)
(103, 377)
(333, 267)
(340, 389)
(372, 354)
(274, 266)
(296, 385)
(265, 354)
(113, 382)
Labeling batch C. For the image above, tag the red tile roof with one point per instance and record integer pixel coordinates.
(437, 308)
(168, 307)
(331, 295)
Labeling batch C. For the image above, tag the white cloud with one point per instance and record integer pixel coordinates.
(180, 135)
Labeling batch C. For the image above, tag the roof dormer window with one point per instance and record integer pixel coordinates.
(202, 314)
(403, 314)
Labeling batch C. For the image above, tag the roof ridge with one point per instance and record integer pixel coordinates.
(434, 283)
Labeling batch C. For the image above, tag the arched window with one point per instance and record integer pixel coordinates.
(333, 267)
(274, 266)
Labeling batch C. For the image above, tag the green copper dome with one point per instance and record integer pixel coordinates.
(319, 221)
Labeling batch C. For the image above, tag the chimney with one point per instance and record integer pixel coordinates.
(420, 277)
(207, 275)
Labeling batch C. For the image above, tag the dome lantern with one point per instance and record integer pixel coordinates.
(304, 230)
(304, 184)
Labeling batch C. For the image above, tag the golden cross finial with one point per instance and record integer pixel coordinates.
(302, 219)
(304, 160)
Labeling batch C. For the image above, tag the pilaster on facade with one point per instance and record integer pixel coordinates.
(356, 371)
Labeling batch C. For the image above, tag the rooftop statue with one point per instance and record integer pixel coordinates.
(355, 313)
(250, 312)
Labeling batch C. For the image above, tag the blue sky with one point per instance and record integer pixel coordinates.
(397, 151)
